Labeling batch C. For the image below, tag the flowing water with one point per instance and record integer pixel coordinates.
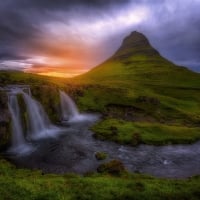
(19, 144)
(70, 112)
(39, 123)
(74, 148)
(74, 151)
(68, 107)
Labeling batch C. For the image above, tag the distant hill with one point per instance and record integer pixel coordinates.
(136, 60)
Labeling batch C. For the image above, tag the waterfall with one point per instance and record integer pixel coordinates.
(19, 144)
(70, 111)
(39, 123)
(17, 138)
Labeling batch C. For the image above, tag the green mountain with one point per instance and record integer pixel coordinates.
(138, 85)
(137, 60)
(139, 70)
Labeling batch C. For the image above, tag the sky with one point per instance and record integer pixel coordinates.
(67, 38)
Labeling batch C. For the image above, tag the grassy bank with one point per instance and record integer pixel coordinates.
(26, 184)
(134, 133)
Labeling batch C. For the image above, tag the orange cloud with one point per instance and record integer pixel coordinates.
(65, 59)
(57, 70)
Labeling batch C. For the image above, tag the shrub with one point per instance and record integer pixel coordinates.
(101, 155)
(114, 167)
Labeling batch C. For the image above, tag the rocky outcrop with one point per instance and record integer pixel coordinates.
(4, 121)
(129, 113)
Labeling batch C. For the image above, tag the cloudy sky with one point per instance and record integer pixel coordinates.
(66, 38)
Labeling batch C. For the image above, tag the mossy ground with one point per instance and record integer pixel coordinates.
(134, 133)
(26, 184)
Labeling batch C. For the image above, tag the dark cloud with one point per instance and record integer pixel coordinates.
(21, 20)
(59, 4)
(27, 27)
(176, 31)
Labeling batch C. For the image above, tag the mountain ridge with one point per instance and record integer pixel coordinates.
(136, 59)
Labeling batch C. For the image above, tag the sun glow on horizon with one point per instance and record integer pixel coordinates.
(71, 47)
(61, 74)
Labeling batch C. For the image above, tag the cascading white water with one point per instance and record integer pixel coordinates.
(70, 111)
(18, 137)
(39, 123)
(19, 144)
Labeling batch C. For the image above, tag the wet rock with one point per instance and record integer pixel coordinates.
(136, 139)
(4, 121)
(128, 113)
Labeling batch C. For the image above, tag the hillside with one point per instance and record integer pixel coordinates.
(137, 61)
(139, 70)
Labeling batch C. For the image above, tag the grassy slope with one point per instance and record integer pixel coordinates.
(18, 77)
(27, 184)
(177, 88)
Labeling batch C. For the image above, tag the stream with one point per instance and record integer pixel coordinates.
(73, 151)
(71, 148)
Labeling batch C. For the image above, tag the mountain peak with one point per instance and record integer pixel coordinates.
(135, 44)
(136, 37)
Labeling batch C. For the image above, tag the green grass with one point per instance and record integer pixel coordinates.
(101, 155)
(26, 184)
(134, 133)
(18, 77)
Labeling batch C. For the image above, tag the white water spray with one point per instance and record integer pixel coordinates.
(70, 111)
(19, 144)
(39, 123)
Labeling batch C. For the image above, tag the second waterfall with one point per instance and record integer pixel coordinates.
(39, 124)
